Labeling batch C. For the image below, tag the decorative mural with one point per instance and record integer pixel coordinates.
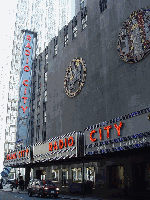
(75, 77)
(134, 37)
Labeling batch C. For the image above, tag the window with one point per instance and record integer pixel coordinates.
(38, 119)
(55, 46)
(74, 28)
(84, 22)
(55, 175)
(44, 116)
(65, 36)
(76, 175)
(64, 177)
(81, 4)
(39, 81)
(34, 86)
(45, 77)
(33, 104)
(66, 40)
(44, 106)
(90, 173)
(102, 5)
(40, 64)
(46, 58)
(45, 96)
(44, 136)
(38, 103)
(55, 49)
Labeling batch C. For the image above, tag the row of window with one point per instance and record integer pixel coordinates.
(74, 32)
(76, 175)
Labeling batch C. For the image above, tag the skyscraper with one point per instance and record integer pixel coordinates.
(46, 18)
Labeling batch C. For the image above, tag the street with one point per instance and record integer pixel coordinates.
(14, 196)
(9, 195)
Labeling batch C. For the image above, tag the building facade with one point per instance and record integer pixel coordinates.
(46, 18)
(93, 79)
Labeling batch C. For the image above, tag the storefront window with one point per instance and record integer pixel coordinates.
(55, 175)
(90, 174)
(64, 177)
(76, 175)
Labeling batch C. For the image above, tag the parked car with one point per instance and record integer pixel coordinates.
(43, 188)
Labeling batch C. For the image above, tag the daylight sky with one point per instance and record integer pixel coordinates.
(8, 10)
(7, 24)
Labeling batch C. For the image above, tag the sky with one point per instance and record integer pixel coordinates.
(7, 24)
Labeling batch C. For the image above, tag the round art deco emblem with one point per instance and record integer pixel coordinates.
(75, 77)
(134, 37)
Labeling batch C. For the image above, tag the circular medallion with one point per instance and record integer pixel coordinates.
(75, 77)
(134, 37)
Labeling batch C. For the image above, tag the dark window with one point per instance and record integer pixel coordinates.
(44, 116)
(65, 36)
(46, 58)
(39, 81)
(81, 4)
(84, 22)
(55, 46)
(84, 18)
(74, 28)
(38, 119)
(44, 136)
(102, 5)
(45, 77)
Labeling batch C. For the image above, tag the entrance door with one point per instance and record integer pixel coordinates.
(139, 177)
(38, 174)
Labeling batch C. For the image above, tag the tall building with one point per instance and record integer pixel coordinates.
(45, 18)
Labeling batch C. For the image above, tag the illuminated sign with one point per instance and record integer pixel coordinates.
(127, 134)
(21, 157)
(25, 86)
(27, 55)
(57, 148)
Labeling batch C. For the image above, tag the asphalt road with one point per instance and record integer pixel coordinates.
(16, 196)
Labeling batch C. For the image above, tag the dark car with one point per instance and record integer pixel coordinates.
(43, 188)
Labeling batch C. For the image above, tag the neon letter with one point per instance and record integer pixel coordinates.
(70, 144)
(91, 133)
(26, 70)
(25, 91)
(24, 99)
(61, 144)
(100, 134)
(50, 147)
(29, 38)
(27, 52)
(118, 128)
(24, 109)
(107, 128)
(24, 82)
(28, 46)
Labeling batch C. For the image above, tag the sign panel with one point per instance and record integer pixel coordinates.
(25, 86)
(126, 133)
(21, 157)
(62, 147)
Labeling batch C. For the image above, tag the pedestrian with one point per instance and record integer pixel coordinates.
(16, 183)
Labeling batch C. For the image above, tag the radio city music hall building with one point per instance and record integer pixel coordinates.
(90, 110)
